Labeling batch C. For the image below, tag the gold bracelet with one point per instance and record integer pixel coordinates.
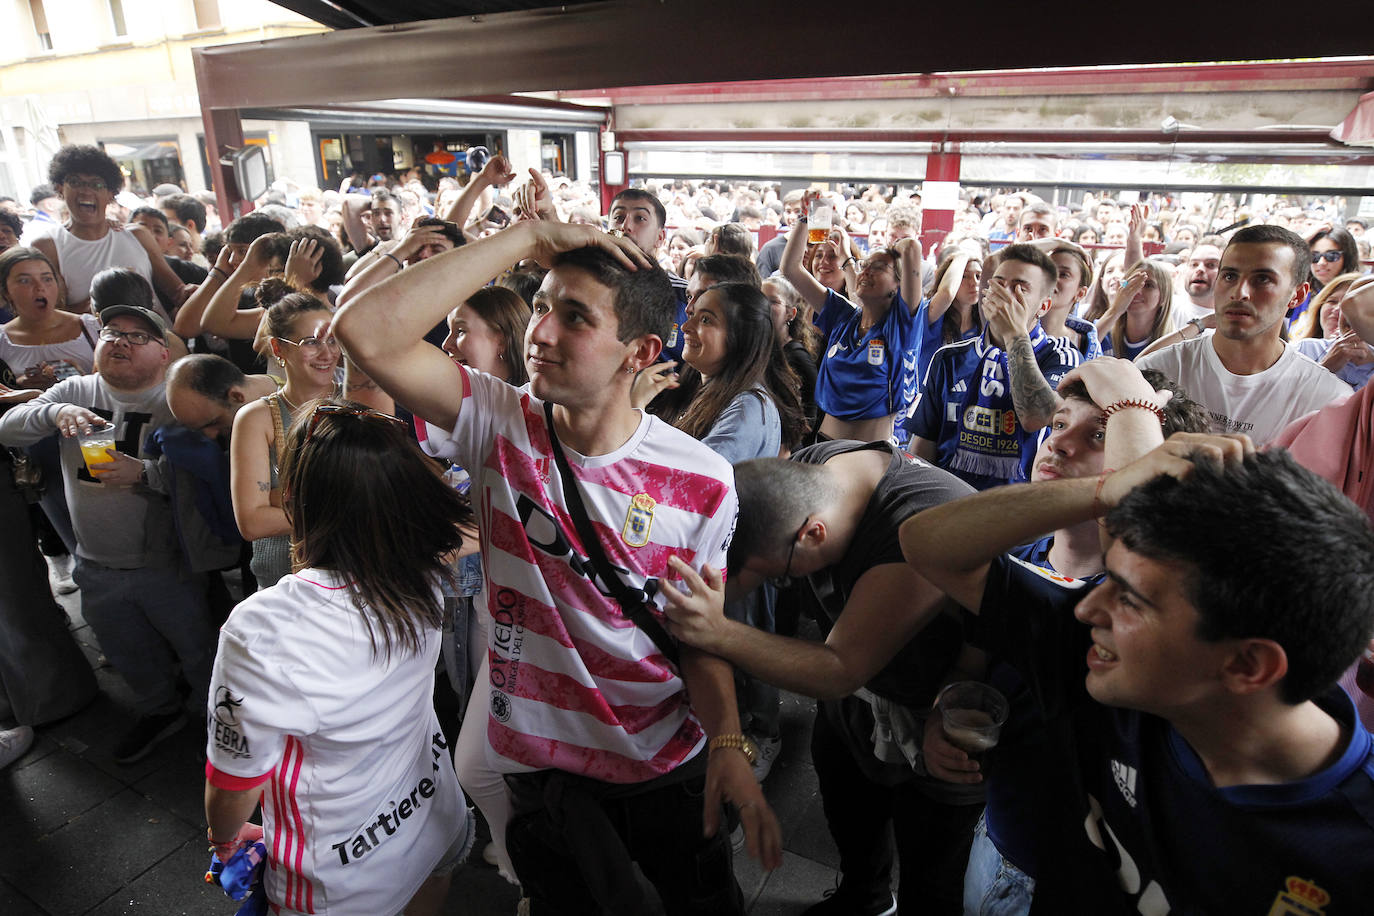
(738, 742)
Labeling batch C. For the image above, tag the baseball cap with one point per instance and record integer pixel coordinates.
(148, 315)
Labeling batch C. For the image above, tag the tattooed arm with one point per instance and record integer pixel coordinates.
(1031, 395)
(1010, 318)
(250, 474)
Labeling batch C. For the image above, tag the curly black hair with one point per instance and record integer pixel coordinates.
(85, 160)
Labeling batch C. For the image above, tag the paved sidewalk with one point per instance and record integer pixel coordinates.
(80, 834)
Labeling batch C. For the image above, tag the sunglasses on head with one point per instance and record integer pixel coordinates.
(331, 410)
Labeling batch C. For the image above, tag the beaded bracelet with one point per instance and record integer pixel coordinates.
(1137, 403)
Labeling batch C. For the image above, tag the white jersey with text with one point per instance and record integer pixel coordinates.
(361, 802)
(575, 684)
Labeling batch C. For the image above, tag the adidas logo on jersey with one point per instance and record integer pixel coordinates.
(960, 387)
(1125, 780)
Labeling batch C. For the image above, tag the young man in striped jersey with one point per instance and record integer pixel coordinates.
(605, 740)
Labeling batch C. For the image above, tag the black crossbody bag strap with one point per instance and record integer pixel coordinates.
(630, 602)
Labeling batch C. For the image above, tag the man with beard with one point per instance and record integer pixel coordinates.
(1200, 278)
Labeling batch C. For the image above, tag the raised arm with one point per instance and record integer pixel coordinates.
(1120, 302)
(1135, 234)
(1008, 316)
(223, 316)
(943, 296)
(383, 329)
(849, 259)
(190, 316)
(795, 271)
(380, 266)
(495, 173)
(909, 250)
(953, 544)
(352, 211)
(533, 200)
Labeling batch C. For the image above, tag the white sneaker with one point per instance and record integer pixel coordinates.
(60, 574)
(14, 743)
(768, 748)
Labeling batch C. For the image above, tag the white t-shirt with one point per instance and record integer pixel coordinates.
(69, 357)
(1259, 405)
(80, 260)
(361, 802)
(575, 684)
(1185, 311)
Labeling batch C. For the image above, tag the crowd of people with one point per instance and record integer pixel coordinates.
(583, 474)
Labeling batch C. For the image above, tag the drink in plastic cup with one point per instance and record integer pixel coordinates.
(819, 218)
(93, 446)
(973, 714)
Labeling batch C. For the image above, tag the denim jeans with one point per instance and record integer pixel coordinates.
(992, 885)
(147, 620)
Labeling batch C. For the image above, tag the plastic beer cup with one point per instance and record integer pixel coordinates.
(93, 448)
(972, 714)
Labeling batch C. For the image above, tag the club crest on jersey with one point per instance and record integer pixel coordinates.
(875, 352)
(1300, 897)
(638, 520)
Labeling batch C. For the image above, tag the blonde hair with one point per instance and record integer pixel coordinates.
(1164, 313)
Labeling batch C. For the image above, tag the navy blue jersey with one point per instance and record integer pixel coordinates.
(932, 339)
(1128, 349)
(860, 375)
(1129, 811)
(672, 346)
(1014, 768)
(966, 408)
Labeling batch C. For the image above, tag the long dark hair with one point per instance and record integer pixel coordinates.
(363, 501)
(753, 357)
(1350, 252)
(949, 324)
(509, 316)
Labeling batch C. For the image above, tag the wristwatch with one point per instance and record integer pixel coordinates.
(737, 741)
(1199, 325)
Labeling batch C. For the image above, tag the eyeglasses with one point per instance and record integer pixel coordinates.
(80, 184)
(330, 410)
(135, 338)
(1330, 257)
(311, 346)
(877, 264)
(785, 579)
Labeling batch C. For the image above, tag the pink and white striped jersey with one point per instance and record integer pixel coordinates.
(575, 684)
(360, 801)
